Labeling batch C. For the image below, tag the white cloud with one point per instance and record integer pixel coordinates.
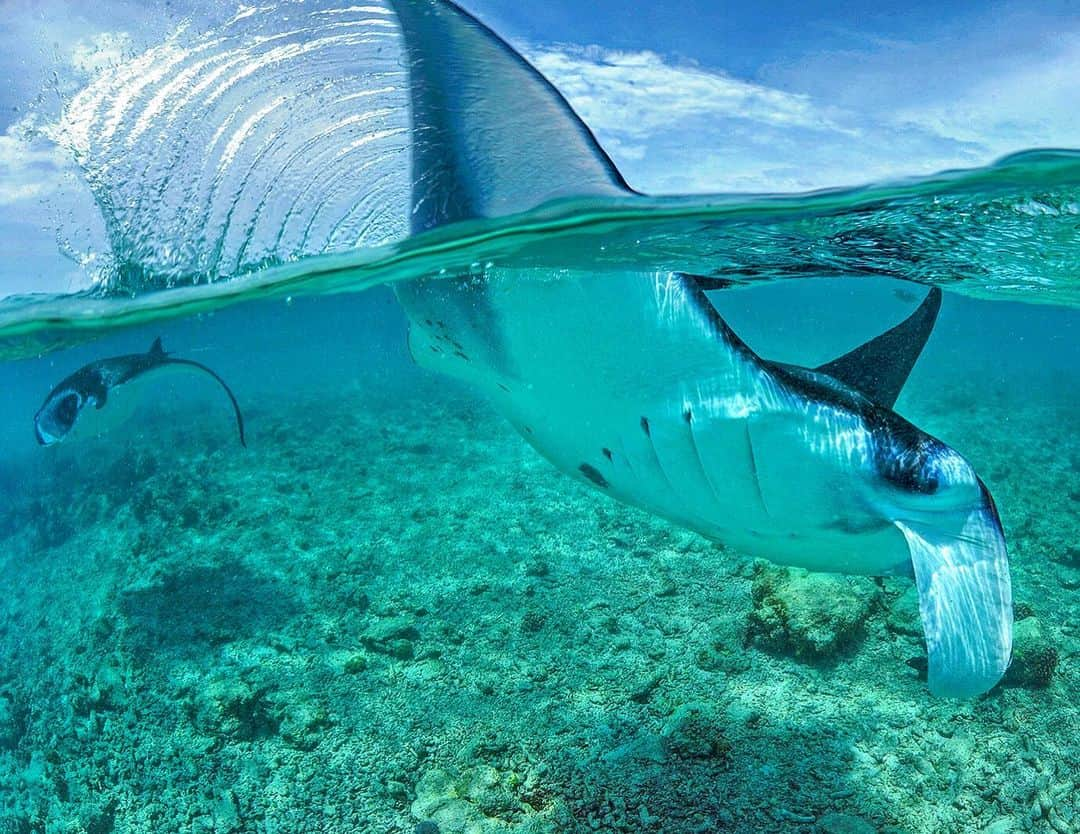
(31, 168)
(683, 128)
(676, 127)
(649, 93)
(33, 165)
(1036, 104)
(90, 56)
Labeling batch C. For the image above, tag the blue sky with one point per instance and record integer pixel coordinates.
(690, 96)
(800, 95)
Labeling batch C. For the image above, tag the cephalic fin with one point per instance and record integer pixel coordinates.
(965, 600)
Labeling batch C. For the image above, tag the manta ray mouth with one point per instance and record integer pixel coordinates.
(43, 437)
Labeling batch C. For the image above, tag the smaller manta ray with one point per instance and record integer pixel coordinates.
(91, 384)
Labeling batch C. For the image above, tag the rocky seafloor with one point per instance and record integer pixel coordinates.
(390, 615)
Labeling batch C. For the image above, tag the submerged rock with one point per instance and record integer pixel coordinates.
(10, 730)
(844, 824)
(479, 800)
(394, 637)
(903, 616)
(303, 724)
(231, 708)
(812, 616)
(1034, 659)
(693, 731)
(646, 747)
(1069, 555)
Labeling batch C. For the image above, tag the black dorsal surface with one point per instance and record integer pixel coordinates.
(879, 368)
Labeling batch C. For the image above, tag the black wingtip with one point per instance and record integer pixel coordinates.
(879, 368)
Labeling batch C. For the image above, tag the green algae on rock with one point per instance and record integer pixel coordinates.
(1035, 658)
(810, 616)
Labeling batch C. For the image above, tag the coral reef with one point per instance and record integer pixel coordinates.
(390, 616)
(810, 616)
(1034, 658)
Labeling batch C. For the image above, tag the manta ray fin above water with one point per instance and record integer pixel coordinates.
(879, 368)
(475, 105)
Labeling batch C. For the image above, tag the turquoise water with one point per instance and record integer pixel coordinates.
(389, 614)
(388, 609)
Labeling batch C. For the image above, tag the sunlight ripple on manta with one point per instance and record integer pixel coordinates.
(623, 376)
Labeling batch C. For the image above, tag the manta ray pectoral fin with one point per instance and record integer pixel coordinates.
(710, 283)
(491, 136)
(433, 350)
(879, 368)
(965, 600)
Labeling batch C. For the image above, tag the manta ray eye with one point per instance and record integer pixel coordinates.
(912, 478)
(916, 469)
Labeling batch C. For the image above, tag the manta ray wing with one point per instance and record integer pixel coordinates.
(476, 106)
(628, 380)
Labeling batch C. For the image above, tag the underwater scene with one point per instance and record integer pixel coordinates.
(377, 457)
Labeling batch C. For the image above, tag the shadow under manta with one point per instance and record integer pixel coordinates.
(190, 611)
(630, 379)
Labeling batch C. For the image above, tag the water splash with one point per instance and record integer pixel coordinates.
(279, 134)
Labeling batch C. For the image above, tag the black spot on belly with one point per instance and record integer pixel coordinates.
(855, 526)
(607, 452)
(593, 475)
(645, 426)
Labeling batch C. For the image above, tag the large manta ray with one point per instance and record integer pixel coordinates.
(632, 382)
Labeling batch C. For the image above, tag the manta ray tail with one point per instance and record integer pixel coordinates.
(965, 599)
(158, 351)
